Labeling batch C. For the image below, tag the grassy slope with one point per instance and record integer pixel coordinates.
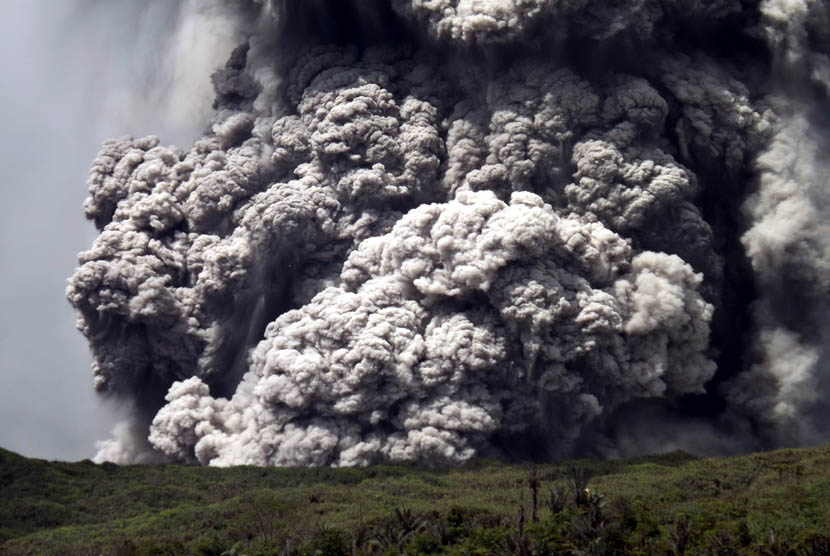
(773, 501)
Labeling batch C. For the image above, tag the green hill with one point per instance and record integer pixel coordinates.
(765, 503)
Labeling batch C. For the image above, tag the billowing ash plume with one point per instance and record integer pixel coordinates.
(426, 231)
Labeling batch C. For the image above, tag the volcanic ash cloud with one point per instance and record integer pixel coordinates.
(443, 230)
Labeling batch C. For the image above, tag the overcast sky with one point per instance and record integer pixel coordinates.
(75, 72)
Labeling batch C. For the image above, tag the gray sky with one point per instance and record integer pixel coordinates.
(74, 72)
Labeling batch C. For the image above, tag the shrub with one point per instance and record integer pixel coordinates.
(424, 543)
(329, 542)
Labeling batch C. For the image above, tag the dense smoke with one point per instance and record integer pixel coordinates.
(428, 231)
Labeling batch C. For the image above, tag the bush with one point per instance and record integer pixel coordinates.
(424, 543)
(329, 542)
(816, 545)
(6, 534)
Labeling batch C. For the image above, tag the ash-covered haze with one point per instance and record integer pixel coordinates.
(74, 73)
(429, 231)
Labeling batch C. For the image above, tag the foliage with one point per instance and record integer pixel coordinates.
(765, 503)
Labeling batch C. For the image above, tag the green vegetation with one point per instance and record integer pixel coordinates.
(766, 503)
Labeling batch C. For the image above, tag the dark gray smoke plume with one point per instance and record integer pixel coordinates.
(424, 231)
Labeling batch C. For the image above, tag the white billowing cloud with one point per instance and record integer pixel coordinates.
(382, 371)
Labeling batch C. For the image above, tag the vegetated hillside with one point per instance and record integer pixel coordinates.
(773, 502)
